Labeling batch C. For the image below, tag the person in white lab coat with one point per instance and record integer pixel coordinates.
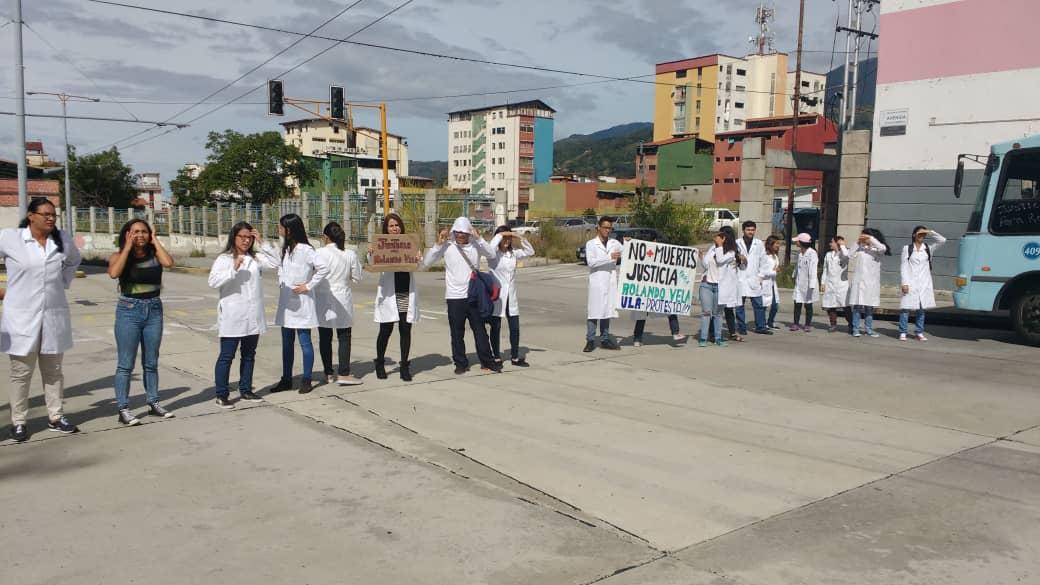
(503, 266)
(865, 279)
(461, 249)
(236, 274)
(722, 256)
(915, 268)
(397, 301)
(806, 282)
(834, 287)
(138, 265)
(335, 303)
(767, 271)
(299, 273)
(729, 281)
(602, 254)
(36, 327)
(753, 251)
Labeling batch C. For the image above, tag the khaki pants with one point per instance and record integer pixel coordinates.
(21, 377)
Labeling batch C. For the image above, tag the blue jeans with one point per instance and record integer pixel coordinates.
(289, 351)
(604, 329)
(711, 312)
(222, 371)
(139, 323)
(868, 312)
(760, 315)
(904, 321)
(773, 308)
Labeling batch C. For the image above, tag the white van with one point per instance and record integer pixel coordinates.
(721, 217)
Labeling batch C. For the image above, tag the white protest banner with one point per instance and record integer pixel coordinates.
(657, 278)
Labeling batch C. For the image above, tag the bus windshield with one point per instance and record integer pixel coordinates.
(975, 221)
(1016, 206)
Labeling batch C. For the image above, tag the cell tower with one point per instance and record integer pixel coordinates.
(763, 41)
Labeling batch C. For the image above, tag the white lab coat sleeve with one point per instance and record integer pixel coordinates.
(526, 249)
(814, 271)
(875, 245)
(765, 269)
(72, 260)
(222, 272)
(268, 257)
(495, 241)
(936, 240)
(595, 259)
(905, 274)
(321, 270)
(483, 249)
(356, 274)
(434, 254)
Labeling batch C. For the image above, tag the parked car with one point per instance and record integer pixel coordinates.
(576, 223)
(649, 234)
(722, 217)
(528, 228)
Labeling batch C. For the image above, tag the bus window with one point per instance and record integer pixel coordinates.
(1016, 208)
(975, 221)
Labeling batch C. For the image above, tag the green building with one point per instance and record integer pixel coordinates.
(336, 174)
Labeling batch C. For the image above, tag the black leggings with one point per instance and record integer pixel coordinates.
(325, 349)
(798, 313)
(385, 329)
(731, 322)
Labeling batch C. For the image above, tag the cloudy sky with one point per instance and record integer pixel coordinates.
(152, 66)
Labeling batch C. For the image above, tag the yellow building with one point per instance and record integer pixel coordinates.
(718, 93)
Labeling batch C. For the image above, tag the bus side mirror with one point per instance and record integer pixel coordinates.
(958, 178)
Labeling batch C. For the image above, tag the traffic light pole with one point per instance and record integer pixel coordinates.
(385, 147)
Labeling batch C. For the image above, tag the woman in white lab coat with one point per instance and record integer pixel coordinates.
(299, 273)
(729, 280)
(503, 266)
(834, 287)
(916, 275)
(865, 279)
(36, 327)
(768, 269)
(397, 301)
(236, 273)
(806, 282)
(335, 303)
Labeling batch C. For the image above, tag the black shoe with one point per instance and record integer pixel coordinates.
(406, 373)
(609, 344)
(459, 370)
(283, 385)
(380, 369)
(62, 425)
(248, 396)
(763, 331)
(20, 433)
(224, 403)
(589, 346)
(306, 386)
(155, 409)
(492, 367)
(520, 363)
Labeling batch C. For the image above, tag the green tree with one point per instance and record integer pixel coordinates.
(100, 179)
(188, 190)
(678, 222)
(255, 167)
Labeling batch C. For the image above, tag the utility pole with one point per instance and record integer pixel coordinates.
(845, 82)
(850, 90)
(19, 90)
(789, 224)
(69, 220)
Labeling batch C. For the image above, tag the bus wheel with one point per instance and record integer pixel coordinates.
(1025, 317)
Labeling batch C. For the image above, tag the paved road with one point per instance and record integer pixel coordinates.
(800, 458)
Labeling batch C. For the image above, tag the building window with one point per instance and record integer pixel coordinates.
(805, 84)
(729, 69)
(721, 68)
(718, 159)
(728, 181)
(740, 88)
(316, 139)
(653, 167)
(739, 105)
(680, 74)
(741, 72)
(700, 73)
(698, 90)
(697, 122)
(716, 180)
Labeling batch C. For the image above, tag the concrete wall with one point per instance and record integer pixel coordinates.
(678, 164)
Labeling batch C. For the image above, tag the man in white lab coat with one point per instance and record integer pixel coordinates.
(602, 254)
(754, 251)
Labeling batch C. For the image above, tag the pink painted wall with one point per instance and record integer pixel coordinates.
(958, 38)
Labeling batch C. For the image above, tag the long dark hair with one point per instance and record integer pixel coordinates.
(295, 233)
(769, 243)
(149, 248)
(910, 248)
(335, 232)
(509, 241)
(877, 235)
(230, 247)
(34, 205)
(393, 216)
(729, 244)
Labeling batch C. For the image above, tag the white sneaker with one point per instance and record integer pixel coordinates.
(347, 381)
(637, 343)
(902, 337)
(921, 337)
(679, 337)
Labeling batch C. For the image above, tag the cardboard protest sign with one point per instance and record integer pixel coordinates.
(393, 253)
(657, 278)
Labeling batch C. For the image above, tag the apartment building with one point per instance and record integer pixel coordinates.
(812, 93)
(506, 148)
(317, 137)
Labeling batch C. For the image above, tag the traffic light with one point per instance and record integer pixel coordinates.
(275, 99)
(336, 102)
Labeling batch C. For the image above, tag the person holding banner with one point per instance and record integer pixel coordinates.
(503, 266)
(602, 254)
(397, 301)
(461, 259)
(754, 253)
(640, 318)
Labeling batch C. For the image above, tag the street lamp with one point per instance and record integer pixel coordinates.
(64, 98)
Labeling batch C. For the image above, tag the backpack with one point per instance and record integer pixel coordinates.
(484, 289)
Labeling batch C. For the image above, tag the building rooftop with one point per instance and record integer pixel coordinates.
(341, 123)
(536, 103)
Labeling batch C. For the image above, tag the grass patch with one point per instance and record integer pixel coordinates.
(197, 253)
(558, 244)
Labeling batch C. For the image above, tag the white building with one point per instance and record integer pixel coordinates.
(317, 137)
(812, 92)
(505, 148)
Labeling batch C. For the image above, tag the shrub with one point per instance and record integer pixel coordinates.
(197, 253)
(553, 242)
(679, 223)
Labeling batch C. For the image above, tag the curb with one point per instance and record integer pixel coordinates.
(187, 270)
